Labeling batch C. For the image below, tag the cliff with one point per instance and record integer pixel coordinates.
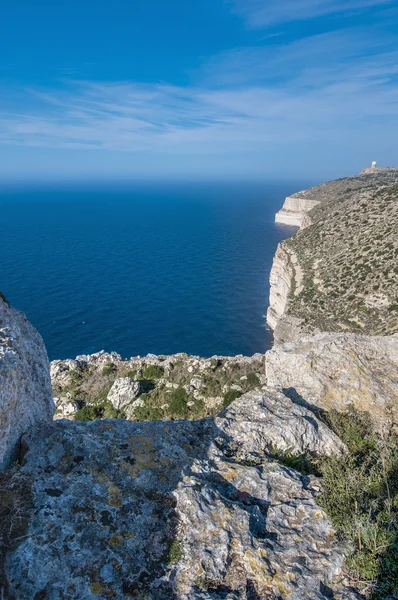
(294, 209)
(344, 275)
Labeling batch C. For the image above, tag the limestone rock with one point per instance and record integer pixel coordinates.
(65, 408)
(25, 386)
(285, 276)
(294, 209)
(336, 370)
(124, 391)
(155, 510)
(261, 422)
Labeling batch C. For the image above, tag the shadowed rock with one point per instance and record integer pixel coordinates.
(25, 386)
(167, 510)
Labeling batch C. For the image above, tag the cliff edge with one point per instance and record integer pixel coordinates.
(339, 271)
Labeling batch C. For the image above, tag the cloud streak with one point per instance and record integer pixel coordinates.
(262, 13)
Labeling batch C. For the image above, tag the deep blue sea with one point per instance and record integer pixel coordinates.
(138, 268)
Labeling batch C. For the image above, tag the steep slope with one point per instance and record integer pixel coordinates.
(341, 271)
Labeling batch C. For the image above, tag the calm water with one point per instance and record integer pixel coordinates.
(143, 268)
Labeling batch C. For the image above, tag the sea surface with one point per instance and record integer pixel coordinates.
(140, 267)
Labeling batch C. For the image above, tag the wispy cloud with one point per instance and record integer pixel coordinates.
(260, 13)
(321, 89)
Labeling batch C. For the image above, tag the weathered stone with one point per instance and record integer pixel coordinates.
(265, 421)
(123, 392)
(25, 386)
(156, 510)
(334, 371)
(65, 408)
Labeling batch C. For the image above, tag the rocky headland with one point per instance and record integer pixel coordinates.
(222, 478)
(339, 273)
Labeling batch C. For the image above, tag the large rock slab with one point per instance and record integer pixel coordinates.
(25, 386)
(162, 510)
(261, 422)
(336, 370)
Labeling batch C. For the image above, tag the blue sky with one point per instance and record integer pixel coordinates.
(226, 89)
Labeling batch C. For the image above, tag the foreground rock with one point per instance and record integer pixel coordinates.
(168, 510)
(25, 386)
(334, 371)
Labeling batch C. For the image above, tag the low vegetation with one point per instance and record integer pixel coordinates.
(360, 495)
(349, 258)
(185, 387)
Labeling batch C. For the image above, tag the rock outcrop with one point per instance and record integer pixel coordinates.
(25, 385)
(153, 387)
(261, 422)
(123, 392)
(336, 371)
(171, 510)
(294, 209)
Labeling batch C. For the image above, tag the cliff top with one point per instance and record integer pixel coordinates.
(331, 190)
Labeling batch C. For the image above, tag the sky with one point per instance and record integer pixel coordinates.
(188, 89)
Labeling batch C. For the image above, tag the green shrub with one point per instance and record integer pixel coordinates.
(153, 372)
(300, 462)
(148, 413)
(132, 373)
(178, 403)
(109, 368)
(360, 495)
(88, 413)
(175, 553)
(231, 396)
(253, 380)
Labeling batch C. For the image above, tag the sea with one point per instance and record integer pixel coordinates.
(143, 267)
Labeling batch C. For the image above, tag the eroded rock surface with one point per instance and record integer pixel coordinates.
(25, 386)
(168, 510)
(262, 421)
(334, 371)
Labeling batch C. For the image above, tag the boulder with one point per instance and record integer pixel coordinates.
(338, 370)
(266, 421)
(65, 408)
(25, 385)
(123, 392)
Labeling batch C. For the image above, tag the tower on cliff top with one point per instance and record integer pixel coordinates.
(374, 165)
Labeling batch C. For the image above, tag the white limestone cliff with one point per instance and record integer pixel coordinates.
(294, 209)
(285, 279)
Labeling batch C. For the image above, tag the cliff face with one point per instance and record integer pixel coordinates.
(294, 209)
(347, 252)
(25, 385)
(285, 278)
